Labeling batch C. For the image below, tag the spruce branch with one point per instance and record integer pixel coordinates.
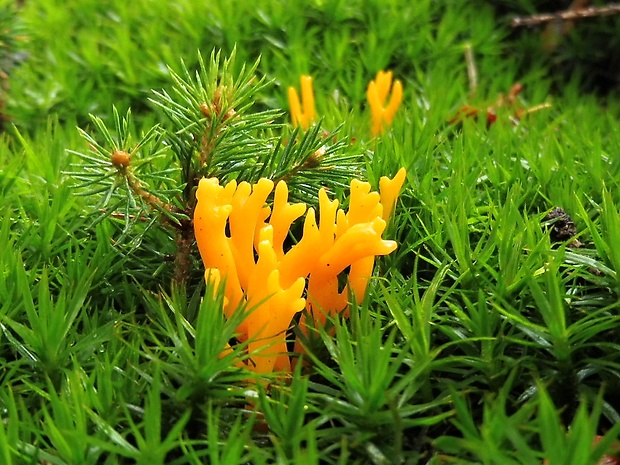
(215, 133)
(213, 130)
(311, 160)
(117, 161)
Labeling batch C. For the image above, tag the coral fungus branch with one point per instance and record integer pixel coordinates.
(302, 113)
(377, 93)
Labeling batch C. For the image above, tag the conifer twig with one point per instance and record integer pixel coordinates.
(568, 15)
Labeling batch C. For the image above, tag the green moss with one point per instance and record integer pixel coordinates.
(480, 338)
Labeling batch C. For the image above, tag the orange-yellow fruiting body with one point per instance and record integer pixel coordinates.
(210, 230)
(283, 216)
(260, 273)
(389, 190)
(377, 93)
(302, 114)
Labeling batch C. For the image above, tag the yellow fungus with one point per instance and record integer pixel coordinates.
(242, 243)
(302, 113)
(377, 93)
(389, 190)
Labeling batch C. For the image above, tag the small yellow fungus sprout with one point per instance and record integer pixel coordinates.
(389, 189)
(377, 93)
(242, 244)
(302, 114)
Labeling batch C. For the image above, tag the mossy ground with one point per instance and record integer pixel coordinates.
(481, 340)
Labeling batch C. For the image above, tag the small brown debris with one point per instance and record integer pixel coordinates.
(508, 101)
(562, 227)
(612, 458)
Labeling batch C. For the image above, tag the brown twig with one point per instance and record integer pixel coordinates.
(568, 15)
(312, 162)
(143, 219)
(182, 259)
(472, 70)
